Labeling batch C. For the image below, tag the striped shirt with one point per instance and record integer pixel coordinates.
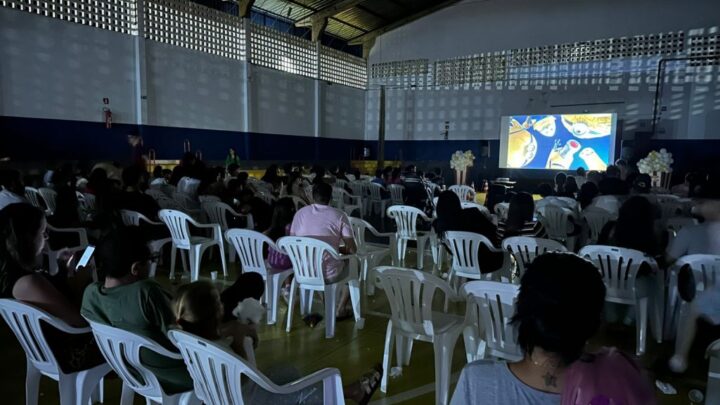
(531, 228)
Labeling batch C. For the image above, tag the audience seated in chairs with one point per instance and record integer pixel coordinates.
(12, 189)
(521, 219)
(321, 221)
(555, 368)
(452, 217)
(282, 220)
(23, 235)
(588, 191)
(260, 210)
(635, 228)
(415, 194)
(612, 183)
(199, 310)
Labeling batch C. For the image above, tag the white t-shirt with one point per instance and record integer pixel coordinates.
(8, 197)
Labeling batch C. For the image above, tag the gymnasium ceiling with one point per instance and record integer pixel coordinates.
(356, 21)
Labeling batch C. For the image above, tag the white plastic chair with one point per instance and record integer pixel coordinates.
(410, 294)
(465, 249)
(712, 394)
(359, 188)
(376, 199)
(298, 202)
(307, 256)
(346, 202)
(50, 197)
(33, 196)
(526, 248)
(216, 213)
(53, 255)
(501, 210)
(25, 321)
(188, 204)
(217, 373)
(188, 185)
(596, 218)
(122, 350)
(557, 223)
(490, 308)
(340, 183)
(396, 194)
(350, 177)
(406, 218)
(133, 218)
(465, 193)
(619, 268)
(249, 245)
(266, 196)
(179, 225)
(206, 198)
(370, 254)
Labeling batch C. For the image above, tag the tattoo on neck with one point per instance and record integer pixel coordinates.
(550, 380)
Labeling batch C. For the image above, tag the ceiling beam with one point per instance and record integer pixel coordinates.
(360, 40)
(326, 12)
(318, 27)
(244, 7)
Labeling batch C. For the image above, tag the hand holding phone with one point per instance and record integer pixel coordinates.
(85, 259)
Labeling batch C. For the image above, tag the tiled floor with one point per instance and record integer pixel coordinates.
(354, 352)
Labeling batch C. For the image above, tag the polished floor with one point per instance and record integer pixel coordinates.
(354, 352)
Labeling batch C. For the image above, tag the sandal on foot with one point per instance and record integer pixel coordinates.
(369, 383)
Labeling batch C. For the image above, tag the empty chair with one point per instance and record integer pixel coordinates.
(465, 193)
(249, 245)
(133, 218)
(619, 268)
(49, 196)
(359, 188)
(490, 308)
(376, 199)
(596, 219)
(346, 202)
(217, 373)
(406, 218)
(25, 322)
(410, 295)
(396, 194)
(556, 221)
(526, 248)
(217, 212)
(307, 256)
(53, 255)
(465, 249)
(369, 254)
(122, 349)
(179, 225)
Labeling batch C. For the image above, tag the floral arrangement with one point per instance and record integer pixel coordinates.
(656, 162)
(461, 160)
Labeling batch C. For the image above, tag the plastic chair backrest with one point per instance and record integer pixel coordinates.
(178, 224)
(33, 196)
(50, 197)
(156, 194)
(468, 204)
(465, 248)
(208, 198)
(338, 197)
(88, 202)
(596, 218)
(24, 320)
(463, 192)
(298, 202)
(396, 193)
(491, 306)
(266, 196)
(555, 219)
(350, 177)
(306, 255)
(358, 187)
(405, 218)
(410, 295)
(358, 227)
(340, 183)
(618, 267)
(526, 248)
(216, 212)
(188, 185)
(375, 191)
(122, 349)
(249, 246)
(705, 268)
(501, 210)
(678, 223)
(132, 218)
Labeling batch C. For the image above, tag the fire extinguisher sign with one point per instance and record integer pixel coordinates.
(107, 113)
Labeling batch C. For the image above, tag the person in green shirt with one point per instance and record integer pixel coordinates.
(232, 158)
(128, 300)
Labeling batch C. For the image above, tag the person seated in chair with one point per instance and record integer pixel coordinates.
(12, 189)
(321, 221)
(555, 367)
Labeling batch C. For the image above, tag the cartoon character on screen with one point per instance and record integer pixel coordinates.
(592, 160)
(546, 126)
(561, 157)
(588, 126)
(522, 145)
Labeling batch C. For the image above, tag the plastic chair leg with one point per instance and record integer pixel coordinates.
(354, 287)
(127, 395)
(387, 356)
(291, 303)
(221, 247)
(401, 250)
(330, 298)
(195, 254)
(421, 252)
(69, 394)
(270, 298)
(443, 347)
(32, 384)
(173, 257)
(641, 326)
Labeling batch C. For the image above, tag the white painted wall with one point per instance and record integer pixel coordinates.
(472, 26)
(60, 70)
(56, 69)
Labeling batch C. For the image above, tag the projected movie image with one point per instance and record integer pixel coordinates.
(558, 141)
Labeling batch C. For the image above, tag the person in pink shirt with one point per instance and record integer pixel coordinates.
(323, 222)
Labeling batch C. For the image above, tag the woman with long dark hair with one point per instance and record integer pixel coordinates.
(634, 228)
(283, 214)
(521, 218)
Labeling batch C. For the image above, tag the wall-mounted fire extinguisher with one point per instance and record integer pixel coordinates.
(107, 113)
